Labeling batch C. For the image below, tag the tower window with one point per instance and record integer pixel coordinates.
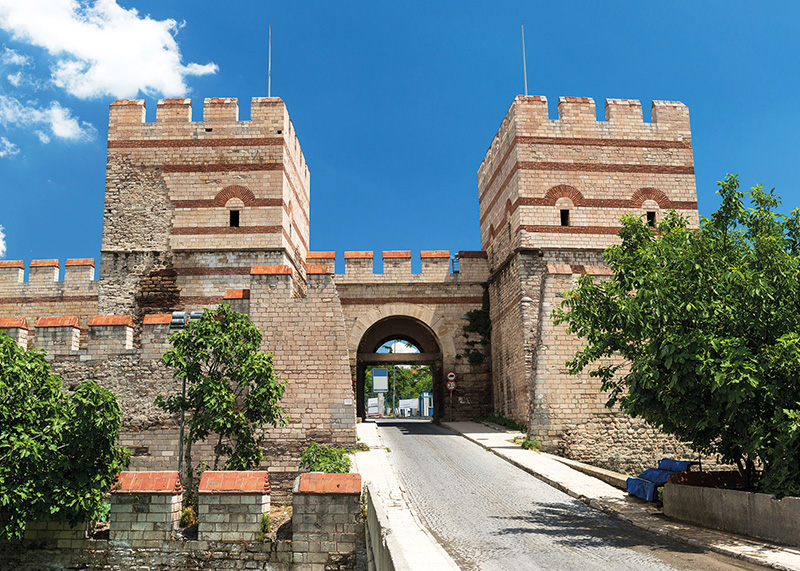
(234, 218)
(565, 217)
(651, 218)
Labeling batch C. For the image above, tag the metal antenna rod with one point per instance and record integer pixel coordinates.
(269, 65)
(524, 68)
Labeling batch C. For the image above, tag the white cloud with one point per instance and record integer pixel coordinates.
(22, 79)
(43, 137)
(102, 49)
(2, 241)
(7, 149)
(13, 57)
(59, 120)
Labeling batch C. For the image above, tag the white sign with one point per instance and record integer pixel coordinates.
(380, 380)
(451, 385)
(451, 376)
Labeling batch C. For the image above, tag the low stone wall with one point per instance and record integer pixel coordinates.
(746, 513)
(325, 514)
(145, 507)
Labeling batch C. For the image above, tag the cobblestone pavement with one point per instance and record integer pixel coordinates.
(490, 515)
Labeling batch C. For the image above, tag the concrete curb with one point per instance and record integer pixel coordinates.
(738, 547)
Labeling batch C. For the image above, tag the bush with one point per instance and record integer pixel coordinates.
(323, 458)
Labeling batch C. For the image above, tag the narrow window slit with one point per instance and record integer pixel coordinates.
(234, 218)
(565, 217)
(651, 218)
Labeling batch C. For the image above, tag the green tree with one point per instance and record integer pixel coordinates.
(231, 388)
(698, 332)
(58, 452)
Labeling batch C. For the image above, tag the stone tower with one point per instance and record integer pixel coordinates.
(551, 195)
(189, 204)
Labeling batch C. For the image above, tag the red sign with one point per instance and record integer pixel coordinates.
(451, 376)
(451, 385)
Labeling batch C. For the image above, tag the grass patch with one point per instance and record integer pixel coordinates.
(497, 418)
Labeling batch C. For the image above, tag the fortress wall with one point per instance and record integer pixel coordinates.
(43, 294)
(568, 413)
(598, 170)
(169, 239)
(514, 332)
(309, 343)
(307, 336)
(435, 267)
(440, 303)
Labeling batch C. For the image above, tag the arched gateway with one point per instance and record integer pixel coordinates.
(404, 328)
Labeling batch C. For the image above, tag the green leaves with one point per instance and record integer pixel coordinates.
(323, 458)
(707, 321)
(231, 387)
(58, 451)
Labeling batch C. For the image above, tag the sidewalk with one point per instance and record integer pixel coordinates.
(619, 504)
(412, 546)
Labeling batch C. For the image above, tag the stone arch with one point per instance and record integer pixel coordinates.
(234, 191)
(647, 193)
(416, 324)
(564, 191)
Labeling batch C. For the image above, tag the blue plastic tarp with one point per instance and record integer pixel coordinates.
(645, 486)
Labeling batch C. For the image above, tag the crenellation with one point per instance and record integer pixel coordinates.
(435, 263)
(79, 270)
(57, 335)
(174, 111)
(397, 263)
(11, 272)
(220, 110)
(110, 334)
(625, 112)
(575, 111)
(16, 328)
(43, 272)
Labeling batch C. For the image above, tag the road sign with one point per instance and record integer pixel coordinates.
(451, 376)
(451, 385)
(380, 380)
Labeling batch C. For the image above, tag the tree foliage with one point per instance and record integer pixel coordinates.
(231, 388)
(324, 458)
(58, 452)
(707, 325)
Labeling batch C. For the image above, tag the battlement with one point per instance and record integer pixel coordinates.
(434, 264)
(269, 122)
(44, 273)
(528, 116)
(258, 198)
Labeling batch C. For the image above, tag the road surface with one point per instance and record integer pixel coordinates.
(492, 516)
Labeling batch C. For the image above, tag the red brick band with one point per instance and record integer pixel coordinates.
(570, 229)
(602, 167)
(212, 230)
(641, 143)
(167, 143)
(417, 300)
(589, 142)
(222, 167)
(54, 299)
(227, 271)
(202, 299)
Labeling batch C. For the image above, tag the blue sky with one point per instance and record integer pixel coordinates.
(395, 103)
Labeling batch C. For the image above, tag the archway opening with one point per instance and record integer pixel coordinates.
(411, 355)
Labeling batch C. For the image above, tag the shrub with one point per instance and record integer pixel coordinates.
(323, 458)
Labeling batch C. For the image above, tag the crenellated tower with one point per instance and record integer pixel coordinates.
(551, 195)
(189, 203)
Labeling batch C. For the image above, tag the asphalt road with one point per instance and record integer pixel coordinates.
(490, 515)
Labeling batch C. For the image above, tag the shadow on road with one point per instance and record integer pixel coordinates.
(574, 529)
(413, 426)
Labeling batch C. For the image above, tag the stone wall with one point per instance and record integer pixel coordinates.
(568, 413)
(145, 507)
(437, 299)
